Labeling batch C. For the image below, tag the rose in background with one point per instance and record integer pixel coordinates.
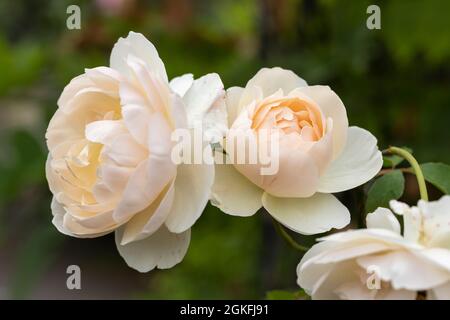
(318, 153)
(415, 264)
(109, 165)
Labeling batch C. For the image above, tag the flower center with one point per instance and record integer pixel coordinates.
(290, 115)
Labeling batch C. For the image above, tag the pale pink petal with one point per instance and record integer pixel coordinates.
(316, 214)
(332, 107)
(359, 162)
(136, 44)
(161, 250)
(383, 218)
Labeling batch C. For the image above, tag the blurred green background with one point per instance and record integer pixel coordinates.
(394, 82)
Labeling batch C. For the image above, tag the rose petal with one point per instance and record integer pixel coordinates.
(402, 268)
(149, 85)
(104, 131)
(205, 107)
(139, 192)
(137, 45)
(149, 220)
(383, 218)
(135, 118)
(332, 107)
(290, 172)
(192, 191)
(180, 85)
(232, 98)
(233, 193)
(316, 214)
(69, 226)
(359, 162)
(271, 80)
(161, 250)
(124, 151)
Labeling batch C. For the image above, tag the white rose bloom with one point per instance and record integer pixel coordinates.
(318, 154)
(109, 165)
(381, 263)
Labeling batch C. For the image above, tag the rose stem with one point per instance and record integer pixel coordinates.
(283, 233)
(415, 166)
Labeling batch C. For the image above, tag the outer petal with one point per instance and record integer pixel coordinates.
(180, 85)
(402, 268)
(69, 226)
(233, 193)
(438, 256)
(136, 44)
(384, 219)
(271, 80)
(297, 174)
(309, 273)
(327, 286)
(439, 208)
(322, 150)
(383, 236)
(161, 250)
(437, 221)
(58, 212)
(103, 78)
(149, 220)
(329, 271)
(205, 107)
(316, 214)
(359, 162)
(332, 107)
(232, 98)
(192, 191)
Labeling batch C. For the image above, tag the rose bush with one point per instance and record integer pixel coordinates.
(109, 165)
(416, 262)
(318, 153)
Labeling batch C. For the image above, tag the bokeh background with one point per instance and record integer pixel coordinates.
(394, 82)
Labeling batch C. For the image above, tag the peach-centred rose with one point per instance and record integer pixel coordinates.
(318, 153)
(109, 165)
(382, 263)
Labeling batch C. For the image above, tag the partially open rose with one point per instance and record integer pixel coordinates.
(317, 153)
(380, 262)
(109, 165)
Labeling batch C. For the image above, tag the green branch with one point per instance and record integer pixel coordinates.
(416, 168)
(287, 237)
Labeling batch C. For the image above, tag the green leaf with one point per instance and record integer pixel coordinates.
(438, 174)
(286, 295)
(386, 188)
(394, 160)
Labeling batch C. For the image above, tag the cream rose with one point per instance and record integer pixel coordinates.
(318, 153)
(109, 165)
(349, 264)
